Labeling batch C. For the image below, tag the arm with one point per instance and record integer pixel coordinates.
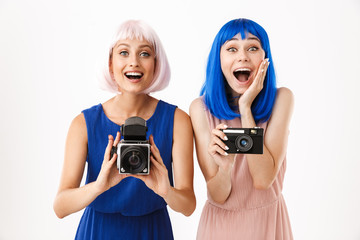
(215, 167)
(70, 197)
(264, 168)
(181, 197)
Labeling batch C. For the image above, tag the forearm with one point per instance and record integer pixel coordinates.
(219, 186)
(262, 166)
(75, 199)
(181, 200)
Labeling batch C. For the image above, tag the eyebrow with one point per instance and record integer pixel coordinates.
(127, 45)
(249, 38)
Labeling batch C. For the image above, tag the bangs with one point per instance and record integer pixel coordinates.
(134, 30)
(242, 27)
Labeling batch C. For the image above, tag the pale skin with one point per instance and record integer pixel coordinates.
(215, 163)
(128, 56)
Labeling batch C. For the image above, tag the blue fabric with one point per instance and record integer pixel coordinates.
(129, 210)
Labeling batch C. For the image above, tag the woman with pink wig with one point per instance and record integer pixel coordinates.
(129, 206)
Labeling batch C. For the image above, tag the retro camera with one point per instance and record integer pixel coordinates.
(244, 140)
(133, 152)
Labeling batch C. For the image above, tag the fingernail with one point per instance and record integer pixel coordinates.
(267, 59)
(226, 148)
(226, 154)
(262, 70)
(225, 126)
(226, 138)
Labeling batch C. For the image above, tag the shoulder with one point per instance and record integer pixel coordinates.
(196, 107)
(78, 127)
(181, 118)
(283, 107)
(285, 94)
(198, 114)
(79, 121)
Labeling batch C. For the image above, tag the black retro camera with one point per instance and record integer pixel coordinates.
(244, 140)
(133, 152)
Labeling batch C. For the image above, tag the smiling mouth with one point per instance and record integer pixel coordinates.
(134, 75)
(242, 74)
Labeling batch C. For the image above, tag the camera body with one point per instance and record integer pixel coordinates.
(133, 152)
(244, 140)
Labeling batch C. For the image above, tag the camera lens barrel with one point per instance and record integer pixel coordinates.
(243, 142)
(133, 159)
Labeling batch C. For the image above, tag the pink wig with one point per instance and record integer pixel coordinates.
(136, 29)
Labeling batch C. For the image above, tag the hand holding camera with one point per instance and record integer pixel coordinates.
(109, 175)
(217, 149)
(134, 154)
(228, 141)
(244, 140)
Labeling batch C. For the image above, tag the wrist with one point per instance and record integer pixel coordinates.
(98, 188)
(166, 194)
(245, 109)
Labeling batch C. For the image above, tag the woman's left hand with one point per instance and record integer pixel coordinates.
(158, 179)
(256, 86)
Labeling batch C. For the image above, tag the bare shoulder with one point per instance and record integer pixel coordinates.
(79, 121)
(285, 94)
(181, 115)
(283, 107)
(196, 106)
(78, 127)
(181, 120)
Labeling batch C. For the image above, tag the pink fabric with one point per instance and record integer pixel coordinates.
(248, 213)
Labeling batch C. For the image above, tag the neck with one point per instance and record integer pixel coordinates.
(125, 105)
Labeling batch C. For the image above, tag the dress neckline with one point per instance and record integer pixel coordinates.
(147, 120)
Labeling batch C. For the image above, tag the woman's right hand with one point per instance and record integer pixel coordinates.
(217, 149)
(109, 174)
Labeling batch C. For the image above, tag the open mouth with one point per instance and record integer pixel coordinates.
(134, 75)
(242, 74)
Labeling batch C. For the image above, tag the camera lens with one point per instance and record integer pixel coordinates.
(243, 143)
(133, 159)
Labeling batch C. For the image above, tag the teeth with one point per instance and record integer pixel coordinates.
(135, 74)
(242, 70)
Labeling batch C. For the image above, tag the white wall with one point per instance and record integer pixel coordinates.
(48, 56)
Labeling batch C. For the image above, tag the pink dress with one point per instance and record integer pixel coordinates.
(248, 213)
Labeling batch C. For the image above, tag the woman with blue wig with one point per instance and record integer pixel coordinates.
(245, 198)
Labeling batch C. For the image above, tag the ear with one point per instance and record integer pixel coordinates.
(111, 68)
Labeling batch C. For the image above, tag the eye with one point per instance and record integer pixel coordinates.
(124, 53)
(251, 49)
(231, 49)
(144, 54)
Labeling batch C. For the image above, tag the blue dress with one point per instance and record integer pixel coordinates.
(129, 210)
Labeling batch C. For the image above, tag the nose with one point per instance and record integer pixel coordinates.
(133, 61)
(243, 56)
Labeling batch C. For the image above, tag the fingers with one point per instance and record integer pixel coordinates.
(216, 143)
(219, 134)
(108, 147)
(117, 139)
(155, 151)
(260, 76)
(217, 146)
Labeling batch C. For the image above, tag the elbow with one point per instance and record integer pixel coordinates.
(262, 184)
(219, 201)
(60, 214)
(191, 208)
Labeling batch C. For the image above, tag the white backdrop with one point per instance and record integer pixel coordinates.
(49, 51)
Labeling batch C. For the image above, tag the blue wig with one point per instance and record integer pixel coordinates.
(214, 88)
